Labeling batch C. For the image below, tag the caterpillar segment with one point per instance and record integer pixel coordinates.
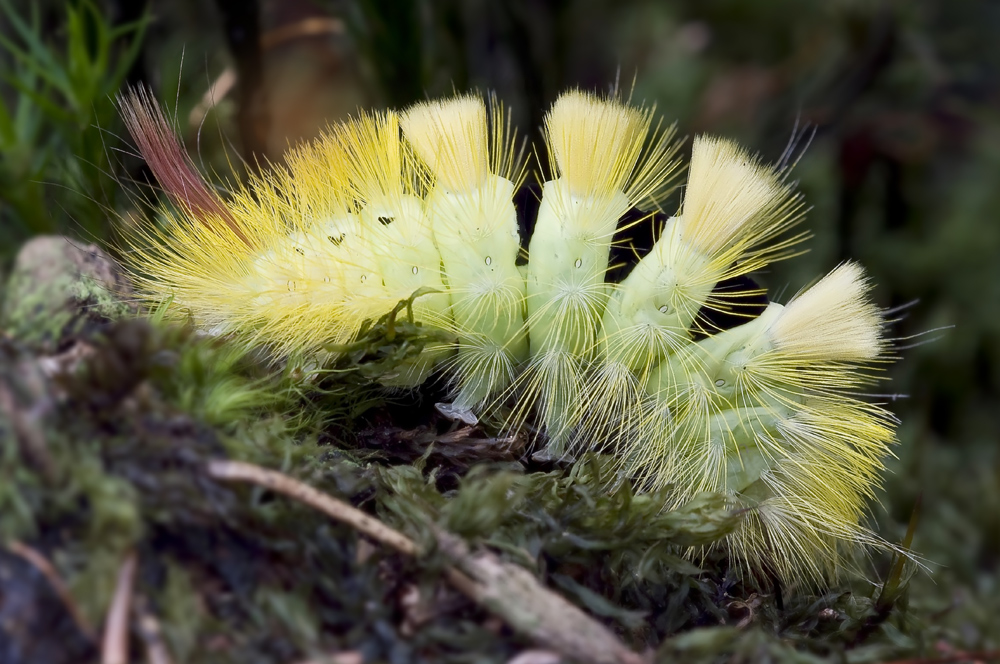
(470, 205)
(385, 183)
(763, 412)
(608, 159)
(650, 314)
(389, 205)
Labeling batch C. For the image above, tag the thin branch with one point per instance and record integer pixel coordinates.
(509, 591)
(42, 564)
(114, 648)
(237, 471)
(151, 633)
(348, 657)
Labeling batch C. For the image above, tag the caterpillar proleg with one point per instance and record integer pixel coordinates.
(391, 205)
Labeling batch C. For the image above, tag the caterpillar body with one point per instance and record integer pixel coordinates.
(388, 205)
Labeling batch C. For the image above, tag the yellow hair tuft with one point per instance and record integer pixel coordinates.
(757, 205)
(832, 320)
(595, 143)
(452, 138)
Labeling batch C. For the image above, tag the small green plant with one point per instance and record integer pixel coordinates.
(56, 169)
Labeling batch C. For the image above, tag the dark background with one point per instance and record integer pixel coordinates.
(902, 172)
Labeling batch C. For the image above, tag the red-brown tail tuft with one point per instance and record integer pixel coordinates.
(171, 164)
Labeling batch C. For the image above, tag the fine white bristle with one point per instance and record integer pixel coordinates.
(595, 141)
(451, 137)
(833, 320)
(730, 197)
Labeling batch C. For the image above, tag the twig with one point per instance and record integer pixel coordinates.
(347, 657)
(509, 591)
(238, 471)
(152, 635)
(536, 657)
(114, 648)
(51, 575)
(514, 594)
(314, 26)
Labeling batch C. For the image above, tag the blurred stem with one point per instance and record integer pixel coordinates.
(394, 46)
(126, 12)
(241, 21)
(532, 27)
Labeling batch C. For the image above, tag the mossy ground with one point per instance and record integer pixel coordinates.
(106, 428)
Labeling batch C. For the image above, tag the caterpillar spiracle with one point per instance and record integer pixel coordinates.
(392, 204)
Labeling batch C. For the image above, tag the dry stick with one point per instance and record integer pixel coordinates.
(349, 657)
(50, 573)
(509, 591)
(238, 471)
(514, 593)
(535, 657)
(152, 635)
(114, 648)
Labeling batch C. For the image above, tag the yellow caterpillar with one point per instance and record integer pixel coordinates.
(391, 204)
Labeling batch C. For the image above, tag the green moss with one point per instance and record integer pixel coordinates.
(108, 457)
(59, 289)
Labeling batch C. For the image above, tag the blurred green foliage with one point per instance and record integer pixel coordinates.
(57, 112)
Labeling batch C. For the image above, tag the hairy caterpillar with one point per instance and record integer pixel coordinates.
(389, 205)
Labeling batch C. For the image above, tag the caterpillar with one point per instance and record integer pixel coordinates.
(419, 205)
